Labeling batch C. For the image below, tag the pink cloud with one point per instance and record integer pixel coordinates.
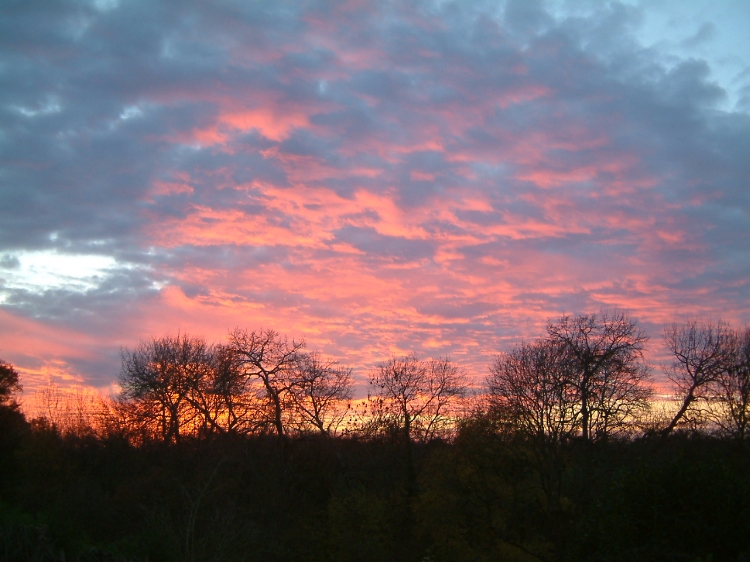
(376, 178)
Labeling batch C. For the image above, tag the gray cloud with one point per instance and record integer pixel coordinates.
(9, 261)
(706, 32)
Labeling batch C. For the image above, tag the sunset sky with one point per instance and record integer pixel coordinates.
(374, 177)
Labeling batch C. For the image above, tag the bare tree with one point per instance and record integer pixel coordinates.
(416, 395)
(534, 394)
(610, 377)
(73, 411)
(413, 398)
(257, 381)
(317, 389)
(532, 390)
(159, 380)
(267, 362)
(702, 352)
(229, 400)
(730, 407)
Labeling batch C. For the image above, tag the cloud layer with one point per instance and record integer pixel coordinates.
(438, 177)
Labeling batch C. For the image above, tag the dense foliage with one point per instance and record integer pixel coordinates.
(484, 496)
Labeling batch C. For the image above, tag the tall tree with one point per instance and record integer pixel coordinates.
(731, 394)
(532, 390)
(12, 425)
(416, 395)
(9, 385)
(159, 380)
(317, 389)
(609, 374)
(267, 362)
(702, 352)
(229, 398)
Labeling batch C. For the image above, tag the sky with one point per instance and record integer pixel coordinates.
(374, 177)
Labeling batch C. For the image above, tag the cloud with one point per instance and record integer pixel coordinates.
(9, 261)
(441, 177)
(706, 32)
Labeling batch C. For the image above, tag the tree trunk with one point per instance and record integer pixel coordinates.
(689, 399)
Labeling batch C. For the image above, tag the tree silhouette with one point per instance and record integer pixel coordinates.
(731, 395)
(267, 362)
(702, 352)
(532, 391)
(9, 385)
(160, 380)
(606, 363)
(317, 388)
(12, 425)
(415, 395)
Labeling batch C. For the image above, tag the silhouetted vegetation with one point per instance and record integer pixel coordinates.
(250, 450)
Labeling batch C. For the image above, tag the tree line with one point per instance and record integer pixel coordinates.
(586, 379)
(261, 383)
(252, 449)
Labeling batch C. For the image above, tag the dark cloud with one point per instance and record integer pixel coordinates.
(9, 261)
